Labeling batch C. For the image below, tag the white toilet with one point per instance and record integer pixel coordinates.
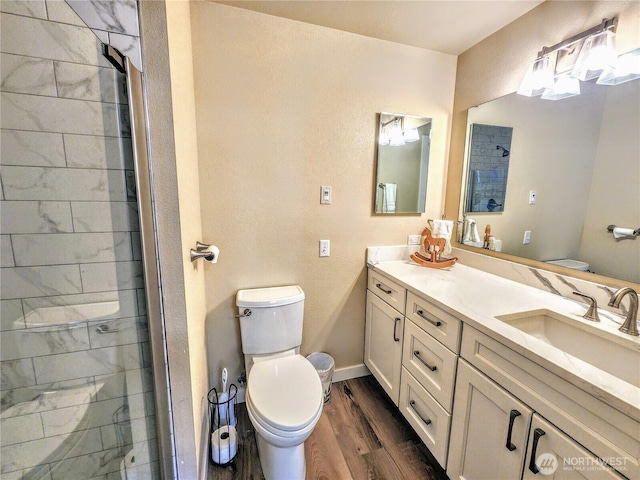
(284, 393)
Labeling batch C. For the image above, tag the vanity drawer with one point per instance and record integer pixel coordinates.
(388, 290)
(430, 421)
(441, 325)
(431, 363)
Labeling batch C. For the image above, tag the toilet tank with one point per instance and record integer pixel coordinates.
(270, 318)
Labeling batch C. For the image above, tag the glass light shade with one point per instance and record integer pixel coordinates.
(598, 53)
(564, 86)
(395, 135)
(411, 135)
(628, 69)
(538, 78)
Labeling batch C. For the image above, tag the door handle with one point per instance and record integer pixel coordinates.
(512, 417)
(395, 326)
(537, 433)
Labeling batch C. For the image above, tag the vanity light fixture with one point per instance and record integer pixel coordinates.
(539, 77)
(596, 56)
(396, 138)
(564, 86)
(411, 135)
(393, 134)
(627, 69)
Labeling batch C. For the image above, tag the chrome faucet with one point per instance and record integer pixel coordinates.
(630, 324)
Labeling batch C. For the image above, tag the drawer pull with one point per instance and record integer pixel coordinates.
(388, 292)
(435, 323)
(395, 326)
(412, 404)
(512, 417)
(537, 433)
(416, 354)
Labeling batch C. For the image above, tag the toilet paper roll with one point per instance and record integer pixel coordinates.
(619, 232)
(215, 253)
(224, 444)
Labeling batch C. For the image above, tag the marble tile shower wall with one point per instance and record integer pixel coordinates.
(75, 372)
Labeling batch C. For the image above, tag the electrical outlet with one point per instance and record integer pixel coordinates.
(532, 197)
(413, 240)
(325, 248)
(527, 237)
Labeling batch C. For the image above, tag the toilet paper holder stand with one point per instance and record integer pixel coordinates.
(223, 419)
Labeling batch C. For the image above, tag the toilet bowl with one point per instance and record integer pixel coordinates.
(284, 404)
(284, 396)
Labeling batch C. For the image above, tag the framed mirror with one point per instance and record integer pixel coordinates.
(402, 163)
(576, 171)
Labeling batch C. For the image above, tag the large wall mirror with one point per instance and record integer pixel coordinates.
(403, 146)
(574, 169)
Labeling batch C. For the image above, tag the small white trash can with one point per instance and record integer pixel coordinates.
(324, 365)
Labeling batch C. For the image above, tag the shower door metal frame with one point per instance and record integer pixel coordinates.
(144, 193)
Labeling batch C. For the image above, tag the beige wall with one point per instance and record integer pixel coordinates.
(283, 107)
(495, 66)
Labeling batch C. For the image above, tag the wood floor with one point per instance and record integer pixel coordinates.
(360, 436)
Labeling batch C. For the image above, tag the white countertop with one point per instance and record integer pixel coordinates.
(477, 297)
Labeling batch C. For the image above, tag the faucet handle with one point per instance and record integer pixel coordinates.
(592, 312)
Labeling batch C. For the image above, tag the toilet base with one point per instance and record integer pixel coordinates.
(281, 463)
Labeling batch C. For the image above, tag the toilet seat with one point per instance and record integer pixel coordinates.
(284, 394)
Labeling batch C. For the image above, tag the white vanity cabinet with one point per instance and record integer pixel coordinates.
(429, 360)
(489, 431)
(383, 332)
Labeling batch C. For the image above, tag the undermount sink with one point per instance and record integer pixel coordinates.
(603, 349)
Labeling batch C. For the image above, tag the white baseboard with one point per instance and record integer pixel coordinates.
(346, 373)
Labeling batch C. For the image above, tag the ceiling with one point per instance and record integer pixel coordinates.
(448, 26)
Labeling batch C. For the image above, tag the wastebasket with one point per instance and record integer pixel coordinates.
(324, 365)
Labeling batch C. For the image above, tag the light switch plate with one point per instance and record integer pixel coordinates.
(325, 248)
(325, 195)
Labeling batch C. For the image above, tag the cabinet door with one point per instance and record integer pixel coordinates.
(554, 455)
(489, 429)
(383, 344)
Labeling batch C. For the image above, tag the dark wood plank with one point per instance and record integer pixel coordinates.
(323, 456)
(350, 425)
(384, 416)
(375, 465)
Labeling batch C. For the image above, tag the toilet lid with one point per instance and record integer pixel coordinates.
(285, 392)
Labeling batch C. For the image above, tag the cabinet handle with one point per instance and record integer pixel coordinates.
(395, 326)
(416, 354)
(388, 292)
(412, 404)
(435, 323)
(537, 433)
(512, 417)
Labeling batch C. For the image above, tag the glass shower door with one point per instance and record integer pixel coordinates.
(77, 389)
